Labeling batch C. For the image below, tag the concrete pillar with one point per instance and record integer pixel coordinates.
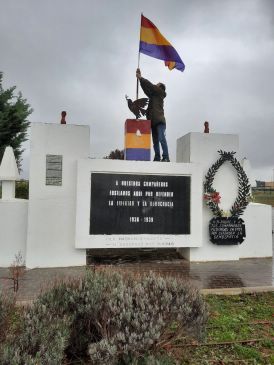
(8, 190)
(8, 174)
(203, 148)
(54, 151)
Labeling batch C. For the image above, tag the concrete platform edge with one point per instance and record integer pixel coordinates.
(237, 291)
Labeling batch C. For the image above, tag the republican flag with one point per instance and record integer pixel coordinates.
(154, 44)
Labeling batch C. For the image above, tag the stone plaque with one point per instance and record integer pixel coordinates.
(139, 204)
(227, 231)
(54, 170)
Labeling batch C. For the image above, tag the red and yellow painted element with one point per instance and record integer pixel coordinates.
(137, 139)
(134, 140)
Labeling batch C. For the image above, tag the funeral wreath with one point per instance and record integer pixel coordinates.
(212, 197)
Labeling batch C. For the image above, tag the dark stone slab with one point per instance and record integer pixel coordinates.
(139, 204)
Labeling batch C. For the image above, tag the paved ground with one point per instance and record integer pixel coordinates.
(230, 274)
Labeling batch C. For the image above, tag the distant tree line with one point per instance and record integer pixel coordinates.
(116, 155)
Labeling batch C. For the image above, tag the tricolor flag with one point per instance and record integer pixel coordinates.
(153, 44)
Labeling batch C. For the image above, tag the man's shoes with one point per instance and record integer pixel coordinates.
(156, 159)
(165, 160)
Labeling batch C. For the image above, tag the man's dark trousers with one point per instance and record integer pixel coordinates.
(159, 137)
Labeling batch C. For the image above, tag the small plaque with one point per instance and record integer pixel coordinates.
(139, 204)
(226, 231)
(54, 170)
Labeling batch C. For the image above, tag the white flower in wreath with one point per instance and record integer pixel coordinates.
(226, 213)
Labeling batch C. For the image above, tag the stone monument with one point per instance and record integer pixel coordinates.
(77, 203)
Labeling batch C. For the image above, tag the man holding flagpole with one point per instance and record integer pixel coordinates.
(155, 113)
(154, 44)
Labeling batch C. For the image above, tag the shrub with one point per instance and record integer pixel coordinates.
(3, 311)
(6, 308)
(153, 360)
(112, 317)
(83, 301)
(139, 311)
(42, 339)
(22, 189)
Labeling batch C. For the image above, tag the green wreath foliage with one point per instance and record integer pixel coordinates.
(243, 197)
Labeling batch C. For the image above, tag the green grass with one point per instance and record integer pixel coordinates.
(233, 319)
(262, 197)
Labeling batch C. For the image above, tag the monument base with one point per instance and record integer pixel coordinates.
(121, 204)
(137, 139)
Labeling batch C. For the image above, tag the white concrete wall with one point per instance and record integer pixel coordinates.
(202, 148)
(258, 223)
(44, 228)
(246, 165)
(13, 229)
(51, 219)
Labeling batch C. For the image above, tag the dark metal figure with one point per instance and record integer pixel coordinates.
(63, 119)
(206, 130)
(137, 106)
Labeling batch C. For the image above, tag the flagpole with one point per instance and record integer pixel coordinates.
(137, 85)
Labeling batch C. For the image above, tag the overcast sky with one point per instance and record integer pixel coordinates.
(81, 56)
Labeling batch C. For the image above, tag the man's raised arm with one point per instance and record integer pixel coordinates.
(148, 88)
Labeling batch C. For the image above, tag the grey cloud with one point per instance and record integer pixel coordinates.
(81, 57)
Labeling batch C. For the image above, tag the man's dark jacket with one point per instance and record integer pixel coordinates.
(156, 95)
